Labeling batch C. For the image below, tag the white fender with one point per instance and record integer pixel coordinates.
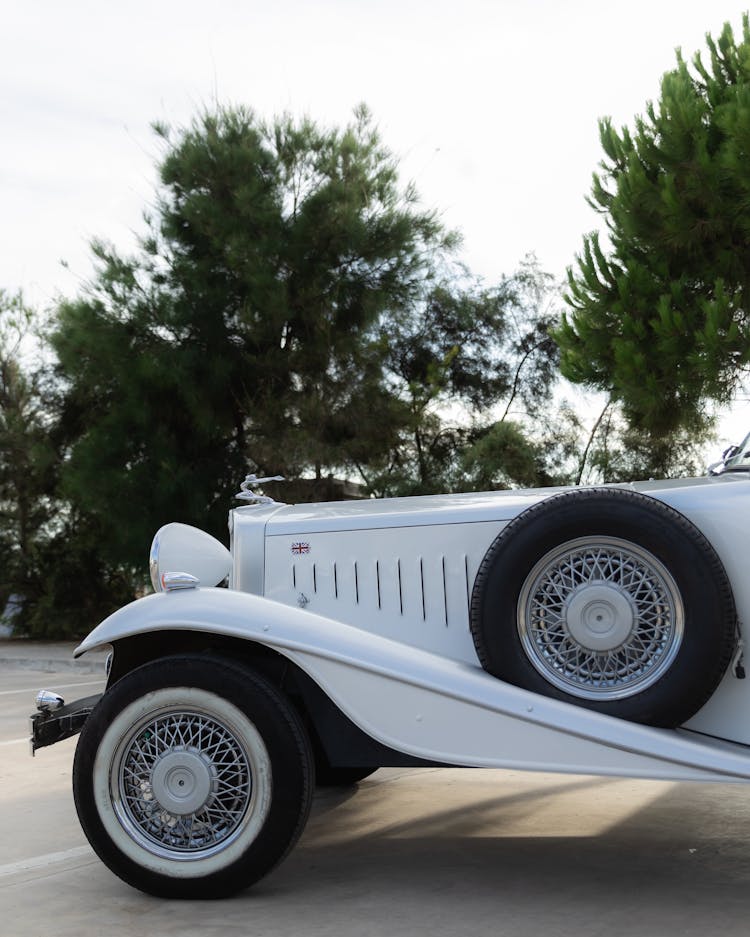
(429, 706)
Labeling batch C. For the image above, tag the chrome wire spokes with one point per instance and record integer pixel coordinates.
(184, 783)
(600, 618)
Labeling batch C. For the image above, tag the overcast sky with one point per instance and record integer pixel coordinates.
(491, 107)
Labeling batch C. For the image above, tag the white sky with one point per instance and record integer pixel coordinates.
(491, 107)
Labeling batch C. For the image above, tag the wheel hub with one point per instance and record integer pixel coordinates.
(599, 616)
(183, 781)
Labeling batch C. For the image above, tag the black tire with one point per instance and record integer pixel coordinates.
(193, 777)
(328, 776)
(608, 599)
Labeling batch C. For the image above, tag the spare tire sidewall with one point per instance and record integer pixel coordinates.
(709, 625)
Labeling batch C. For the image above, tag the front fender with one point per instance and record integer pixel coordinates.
(428, 706)
(290, 631)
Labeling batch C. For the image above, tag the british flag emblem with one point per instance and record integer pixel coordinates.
(300, 547)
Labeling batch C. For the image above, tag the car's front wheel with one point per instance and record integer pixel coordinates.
(193, 777)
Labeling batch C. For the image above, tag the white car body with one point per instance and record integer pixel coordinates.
(371, 600)
(597, 631)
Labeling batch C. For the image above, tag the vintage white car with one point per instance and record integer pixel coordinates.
(587, 630)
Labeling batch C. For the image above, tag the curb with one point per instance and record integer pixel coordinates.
(48, 657)
(52, 665)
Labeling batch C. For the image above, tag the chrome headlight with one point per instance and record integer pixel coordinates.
(180, 548)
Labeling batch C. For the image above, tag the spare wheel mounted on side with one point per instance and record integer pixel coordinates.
(608, 599)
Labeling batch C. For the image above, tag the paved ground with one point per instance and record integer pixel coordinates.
(408, 852)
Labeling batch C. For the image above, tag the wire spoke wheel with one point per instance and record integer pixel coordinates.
(182, 784)
(193, 777)
(609, 599)
(600, 618)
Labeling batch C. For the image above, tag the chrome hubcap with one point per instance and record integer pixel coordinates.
(184, 781)
(600, 618)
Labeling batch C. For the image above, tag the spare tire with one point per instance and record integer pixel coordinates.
(608, 599)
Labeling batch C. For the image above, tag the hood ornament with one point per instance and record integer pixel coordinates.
(247, 495)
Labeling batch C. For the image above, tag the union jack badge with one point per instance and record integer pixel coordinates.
(299, 548)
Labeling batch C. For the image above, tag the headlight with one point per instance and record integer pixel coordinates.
(179, 548)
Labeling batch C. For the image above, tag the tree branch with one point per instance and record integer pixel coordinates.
(592, 434)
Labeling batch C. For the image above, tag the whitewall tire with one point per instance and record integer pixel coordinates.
(193, 777)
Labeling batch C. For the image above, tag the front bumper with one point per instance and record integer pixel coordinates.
(50, 727)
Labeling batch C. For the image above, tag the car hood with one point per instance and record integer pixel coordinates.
(461, 508)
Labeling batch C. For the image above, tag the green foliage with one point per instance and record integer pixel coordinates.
(471, 367)
(49, 557)
(76, 589)
(618, 453)
(295, 311)
(26, 460)
(658, 319)
(246, 330)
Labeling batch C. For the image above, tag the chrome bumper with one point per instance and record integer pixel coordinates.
(55, 721)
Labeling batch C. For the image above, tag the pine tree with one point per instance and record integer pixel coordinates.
(292, 310)
(659, 315)
(246, 332)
